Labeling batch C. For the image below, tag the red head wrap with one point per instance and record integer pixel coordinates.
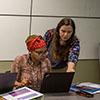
(34, 42)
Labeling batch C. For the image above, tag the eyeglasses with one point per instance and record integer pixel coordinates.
(41, 52)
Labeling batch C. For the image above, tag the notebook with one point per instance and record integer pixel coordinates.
(7, 81)
(56, 82)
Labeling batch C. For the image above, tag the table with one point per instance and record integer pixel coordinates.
(69, 96)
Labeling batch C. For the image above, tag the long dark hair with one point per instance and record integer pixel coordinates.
(57, 50)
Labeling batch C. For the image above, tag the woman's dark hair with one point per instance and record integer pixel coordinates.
(56, 44)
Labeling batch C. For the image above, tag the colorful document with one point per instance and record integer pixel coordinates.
(23, 93)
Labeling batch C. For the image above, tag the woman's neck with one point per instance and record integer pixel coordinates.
(34, 61)
(62, 42)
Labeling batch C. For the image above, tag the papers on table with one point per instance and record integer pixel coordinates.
(86, 87)
(23, 93)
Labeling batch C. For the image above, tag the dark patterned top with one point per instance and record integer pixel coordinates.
(72, 56)
(26, 70)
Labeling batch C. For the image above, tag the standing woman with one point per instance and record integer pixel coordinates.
(63, 46)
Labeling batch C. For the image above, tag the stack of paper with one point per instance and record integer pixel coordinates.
(87, 87)
(23, 93)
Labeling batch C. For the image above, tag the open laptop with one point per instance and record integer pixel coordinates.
(57, 82)
(7, 81)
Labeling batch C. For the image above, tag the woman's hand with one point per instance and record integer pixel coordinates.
(71, 67)
(21, 84)
(18, 84)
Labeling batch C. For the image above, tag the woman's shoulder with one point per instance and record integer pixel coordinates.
(50, 32)
(49, 35)
(21, 58)
(48, 63)
(76, 39)
(75, 45)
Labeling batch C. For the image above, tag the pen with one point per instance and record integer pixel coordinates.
(82, 93)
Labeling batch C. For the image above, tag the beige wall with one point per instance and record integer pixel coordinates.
(87, 70)
(15, 21)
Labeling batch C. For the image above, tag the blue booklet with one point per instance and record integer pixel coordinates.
(87, 87)
(74, 88)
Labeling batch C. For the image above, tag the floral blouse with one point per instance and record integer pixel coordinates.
(72, 56)
(28, 71)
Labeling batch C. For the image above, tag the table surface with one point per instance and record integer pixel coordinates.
(69, 96)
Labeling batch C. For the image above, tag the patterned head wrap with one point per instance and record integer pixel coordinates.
(34, 42)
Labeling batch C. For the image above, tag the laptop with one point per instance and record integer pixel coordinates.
(7, 81)
(56, 82)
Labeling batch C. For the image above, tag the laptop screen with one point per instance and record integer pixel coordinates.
(7, 81)
(56, 82)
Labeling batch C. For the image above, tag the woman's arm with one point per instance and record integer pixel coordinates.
(73, 56)
(15, 67)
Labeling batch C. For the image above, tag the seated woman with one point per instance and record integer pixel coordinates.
(31, 67)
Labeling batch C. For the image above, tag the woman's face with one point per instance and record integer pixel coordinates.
(39, 54)
(65, 32)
